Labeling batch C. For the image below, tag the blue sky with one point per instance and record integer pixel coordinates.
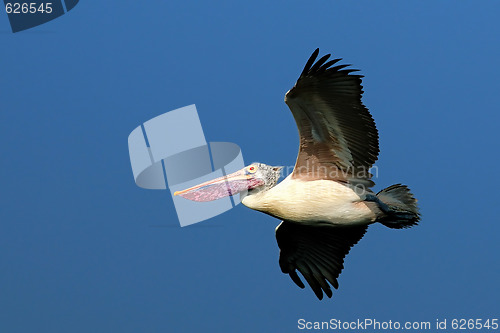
(83, 249)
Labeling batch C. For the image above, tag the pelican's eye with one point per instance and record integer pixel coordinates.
(252, 169)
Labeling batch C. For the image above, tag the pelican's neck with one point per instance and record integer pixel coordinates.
(255, 200)
(261, 199)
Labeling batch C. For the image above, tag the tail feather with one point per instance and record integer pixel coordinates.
(403, 211)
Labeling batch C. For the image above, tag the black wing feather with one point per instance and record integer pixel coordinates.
(338, 137)
(317, 252)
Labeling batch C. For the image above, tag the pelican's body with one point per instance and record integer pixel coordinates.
(311, 202)
(326, 203)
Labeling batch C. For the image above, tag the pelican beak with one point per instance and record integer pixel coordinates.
(221, 187)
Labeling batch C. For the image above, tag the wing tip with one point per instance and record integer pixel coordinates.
(295, 278)
(310, 62)
(314, 67)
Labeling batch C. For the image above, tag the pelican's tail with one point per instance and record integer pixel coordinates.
(400, 207)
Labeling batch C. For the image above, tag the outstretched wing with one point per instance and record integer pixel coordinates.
(338, 137)
(317, 252)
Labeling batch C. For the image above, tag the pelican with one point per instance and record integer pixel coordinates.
(326, 204)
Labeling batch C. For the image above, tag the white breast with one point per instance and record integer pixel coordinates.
(313, 201)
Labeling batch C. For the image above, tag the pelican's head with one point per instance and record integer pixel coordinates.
(254, 178)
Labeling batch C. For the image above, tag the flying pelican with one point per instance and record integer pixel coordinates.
(326, 203)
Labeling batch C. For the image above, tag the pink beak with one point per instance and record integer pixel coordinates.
(221, 187)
